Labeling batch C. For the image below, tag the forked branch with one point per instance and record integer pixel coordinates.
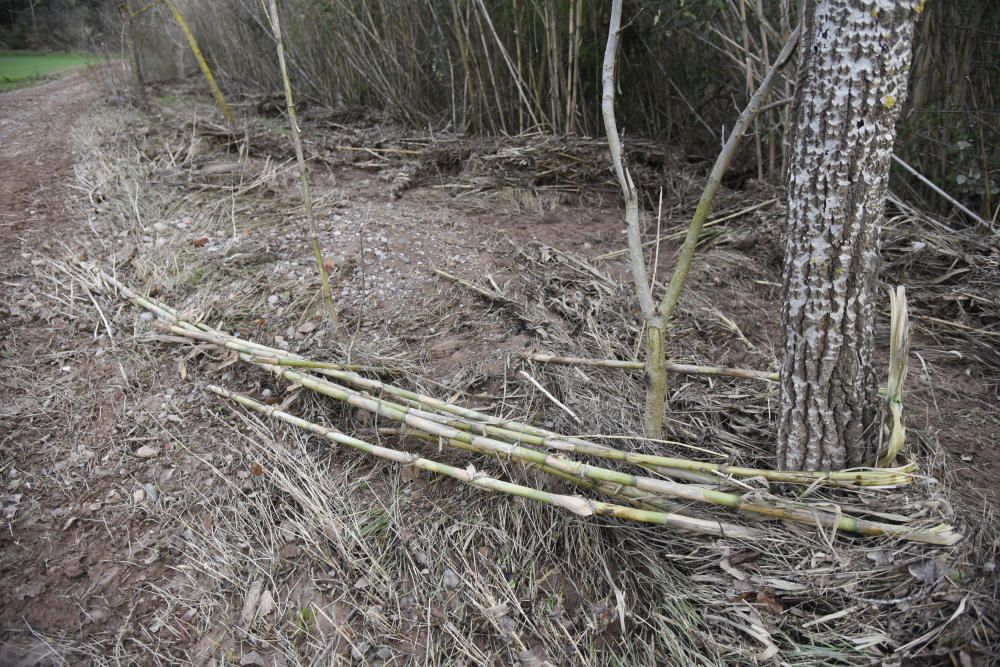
(656, 316)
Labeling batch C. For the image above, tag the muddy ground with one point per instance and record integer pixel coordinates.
(139, 528)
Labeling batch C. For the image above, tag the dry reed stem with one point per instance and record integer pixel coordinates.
(220, 99)
(672, 366)
(324, 279)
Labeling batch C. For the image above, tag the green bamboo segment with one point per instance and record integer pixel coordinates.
(786, 510)
(575, 504)
(220, 99)
(629, 494)
(524, 433)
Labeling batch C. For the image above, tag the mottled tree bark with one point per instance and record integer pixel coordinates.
(853, 76)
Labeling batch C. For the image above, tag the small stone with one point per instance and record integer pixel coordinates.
(147, 452)
(451, 580)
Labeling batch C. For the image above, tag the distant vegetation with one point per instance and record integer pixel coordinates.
(501, 67)
(20, 68)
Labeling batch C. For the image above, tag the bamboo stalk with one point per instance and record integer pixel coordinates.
(513, 431)
(629, 494)
(138, 83)
(508, 430)
(324, 279)
(515, 72)
(785, 510)
(285, 360)
(518, 432)
(672, 366)
(575, 504)
(798, 512)
(679, 277)
(220, 99)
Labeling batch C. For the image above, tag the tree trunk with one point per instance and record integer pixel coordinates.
(138, 83)
(853, 75)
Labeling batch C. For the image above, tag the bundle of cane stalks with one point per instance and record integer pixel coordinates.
(662, 490)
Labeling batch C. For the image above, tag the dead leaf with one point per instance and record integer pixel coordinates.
(769, 603)
(741, 557)
(929, 571)
(250, 602)
(266, 604)
(534, 658)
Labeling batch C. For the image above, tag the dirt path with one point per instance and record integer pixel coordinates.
(36, 160)
(46, 555)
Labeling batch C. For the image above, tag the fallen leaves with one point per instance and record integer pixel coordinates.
(257, 605)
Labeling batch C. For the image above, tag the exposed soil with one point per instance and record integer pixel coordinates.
(99, 433)
(66, 564)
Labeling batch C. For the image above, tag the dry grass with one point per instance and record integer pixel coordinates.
(284, 546)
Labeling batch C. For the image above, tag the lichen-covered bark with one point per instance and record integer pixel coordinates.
(855, 61)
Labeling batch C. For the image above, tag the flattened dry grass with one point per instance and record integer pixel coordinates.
(300, 552)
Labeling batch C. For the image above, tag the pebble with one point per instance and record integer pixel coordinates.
(451, 579)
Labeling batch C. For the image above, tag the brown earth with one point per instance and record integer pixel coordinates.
(69, 562)
(90, 434)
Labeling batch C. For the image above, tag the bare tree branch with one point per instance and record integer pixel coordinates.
(636, 261)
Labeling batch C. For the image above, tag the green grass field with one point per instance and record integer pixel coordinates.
(23, 68)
